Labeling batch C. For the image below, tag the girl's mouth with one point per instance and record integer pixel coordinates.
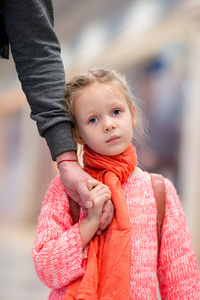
(113, 139)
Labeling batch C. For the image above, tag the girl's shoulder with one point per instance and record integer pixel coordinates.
(56, 191)
(140, 175)
(143, 180)
(137, 172)
(56, 184)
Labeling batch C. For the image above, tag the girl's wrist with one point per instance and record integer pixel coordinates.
(88, 229)
(93, 220)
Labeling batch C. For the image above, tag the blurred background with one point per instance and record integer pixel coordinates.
(156, 44)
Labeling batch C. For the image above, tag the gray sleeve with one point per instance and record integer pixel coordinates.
(36, 52)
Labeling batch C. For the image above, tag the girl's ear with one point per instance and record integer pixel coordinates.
(77, 136)
(133, 115)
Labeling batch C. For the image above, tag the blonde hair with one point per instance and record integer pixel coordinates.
(108, 77)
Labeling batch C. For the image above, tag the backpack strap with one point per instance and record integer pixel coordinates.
(159, 193)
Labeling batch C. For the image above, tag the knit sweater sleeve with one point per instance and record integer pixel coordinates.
(57, 252)
(178, 273)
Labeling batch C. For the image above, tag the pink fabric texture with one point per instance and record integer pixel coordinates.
(58, 256)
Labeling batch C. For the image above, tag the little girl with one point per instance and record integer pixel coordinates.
(122, 263)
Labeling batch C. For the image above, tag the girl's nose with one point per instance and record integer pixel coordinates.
(109, 124)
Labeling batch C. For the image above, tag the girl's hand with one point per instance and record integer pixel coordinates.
(100, 194)
(106, 217)
(107, 212)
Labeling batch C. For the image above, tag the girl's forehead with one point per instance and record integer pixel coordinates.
(99, 94)
(99, 87)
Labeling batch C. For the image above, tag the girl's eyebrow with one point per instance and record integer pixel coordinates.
(90, 114)
(92, 111)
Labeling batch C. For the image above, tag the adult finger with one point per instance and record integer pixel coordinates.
(84, 194)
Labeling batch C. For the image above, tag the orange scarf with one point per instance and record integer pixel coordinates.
(107, 273)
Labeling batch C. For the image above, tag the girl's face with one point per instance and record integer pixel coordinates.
(104, 120)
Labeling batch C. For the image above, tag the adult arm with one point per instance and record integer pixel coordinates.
(36, 52)
(178, 273)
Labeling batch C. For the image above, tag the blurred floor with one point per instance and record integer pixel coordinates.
(18, 279)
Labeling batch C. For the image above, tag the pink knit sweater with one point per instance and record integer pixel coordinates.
(58, 256)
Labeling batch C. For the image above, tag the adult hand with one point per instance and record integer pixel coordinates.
(77, 184)
(74, 179)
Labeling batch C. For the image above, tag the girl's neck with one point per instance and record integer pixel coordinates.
(136, 172)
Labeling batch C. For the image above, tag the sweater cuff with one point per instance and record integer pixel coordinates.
(59, 139)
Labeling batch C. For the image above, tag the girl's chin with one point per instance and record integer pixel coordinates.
(111, 152)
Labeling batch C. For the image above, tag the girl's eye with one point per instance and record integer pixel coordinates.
(116, 112)
(92, 120)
